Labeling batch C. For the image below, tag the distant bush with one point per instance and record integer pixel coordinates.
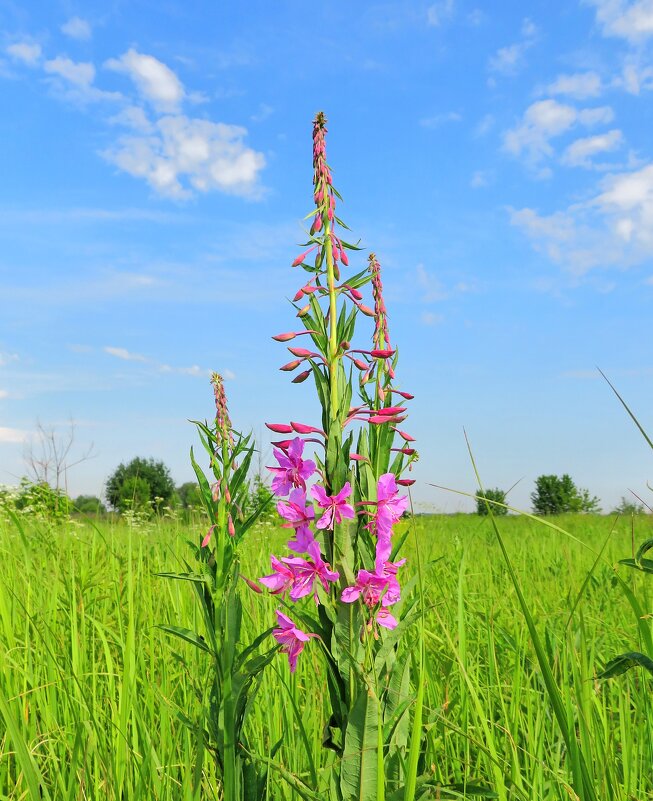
(89, 505)
(139, 485)
(627, 506)
(491, 495)
(40, 499)
(556, 495)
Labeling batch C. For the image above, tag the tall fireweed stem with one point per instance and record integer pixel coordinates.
(341, 550)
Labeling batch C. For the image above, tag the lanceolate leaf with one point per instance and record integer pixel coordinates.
(624, 662)
(359, 769)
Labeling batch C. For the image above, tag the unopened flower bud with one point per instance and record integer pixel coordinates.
(279, 428)
(299, 379)
(290, 366)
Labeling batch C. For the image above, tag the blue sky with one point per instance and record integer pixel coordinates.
(156, 166)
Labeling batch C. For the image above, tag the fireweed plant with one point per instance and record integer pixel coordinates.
(342, 570)
(230, 683)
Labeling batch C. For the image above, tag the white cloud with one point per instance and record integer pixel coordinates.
(635, 78)
(3, 394)
(480, 178)
(26, 52)
(12, 435)
(632, 21)
(185, 154)
(154, 80)
(264, 111)
(77, 28)
(508, 60)
(6, 358)
(579, 85)
(133, 117)
(581, 152)
(433, 289)
(544, 120)
(612, 229)
(124, 354)
(437, 120)
(430, 318)
(79, 73)
(438, 13)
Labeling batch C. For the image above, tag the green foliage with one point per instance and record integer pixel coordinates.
(190, 496)
(497, 495)
(627, 506)
(89, 505)
(140, 484)
(42, 500)
(556, 495)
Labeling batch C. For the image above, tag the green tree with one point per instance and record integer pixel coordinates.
(628, 506)
(139, 483)
(492, 495)
(556, 495)
(41, 499)
(190, 496)
(89, 505)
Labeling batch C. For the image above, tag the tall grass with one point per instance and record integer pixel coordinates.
(92, 693)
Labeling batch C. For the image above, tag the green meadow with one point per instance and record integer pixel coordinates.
(98, 703)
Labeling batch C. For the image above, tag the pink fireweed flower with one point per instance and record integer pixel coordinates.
(335, 506)
(281, 580)
(299, 516)
(291, 639)
(293, 470)
(369, 587)
(306, 572)
(383, 618)
(389, 506)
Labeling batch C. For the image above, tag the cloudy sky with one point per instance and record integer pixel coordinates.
(156, 167)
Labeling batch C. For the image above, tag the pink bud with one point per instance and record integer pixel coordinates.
(345, 259)
(381, 354)
(251, 584)
(304, 310)
(365, 309)
(392, 410)
(227, 495)
(379, 419)
(358, 458)
(406, 482)
(391, 371)
(354, 292)
(298, 295)
(406, 451)
(406, 395)
(317, 223)
(279, 428)
(290, 366)
(230, 526)
(285, 337)
(298, 379)
(302, 256)
(302, 352)
(360, 364)
(405, 436)
(302, 428)
(215, 491)
(207, 538)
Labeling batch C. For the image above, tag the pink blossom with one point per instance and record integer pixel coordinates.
(299, 517)
(369, 588)
(293, 470)
(389, 506)
(306, 572)
(291, 639)
(384, 618)
(282, 578)
(335, 506)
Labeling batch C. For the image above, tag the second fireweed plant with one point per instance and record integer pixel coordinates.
(342, 564)
(233, 669)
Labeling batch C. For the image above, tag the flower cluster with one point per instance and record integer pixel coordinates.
(299, 576)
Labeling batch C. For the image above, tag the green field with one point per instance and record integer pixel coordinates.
(91, 690)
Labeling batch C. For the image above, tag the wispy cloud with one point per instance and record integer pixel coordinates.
(3, 394)
(77, 28)
(75, 80)
(581, 152)
(12, 435)
(7, 358)
(632, 21)
(509, 60)
(545, 120)
(28, 53)
(436, 120)
(612, 229)
(439, 13)
(124, 354)
(155, 81)
(579, 85)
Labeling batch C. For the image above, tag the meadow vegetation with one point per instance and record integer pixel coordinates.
(94, 698)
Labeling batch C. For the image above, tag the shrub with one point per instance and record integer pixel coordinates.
(497, 495)
(555, 495)
(139, 484)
